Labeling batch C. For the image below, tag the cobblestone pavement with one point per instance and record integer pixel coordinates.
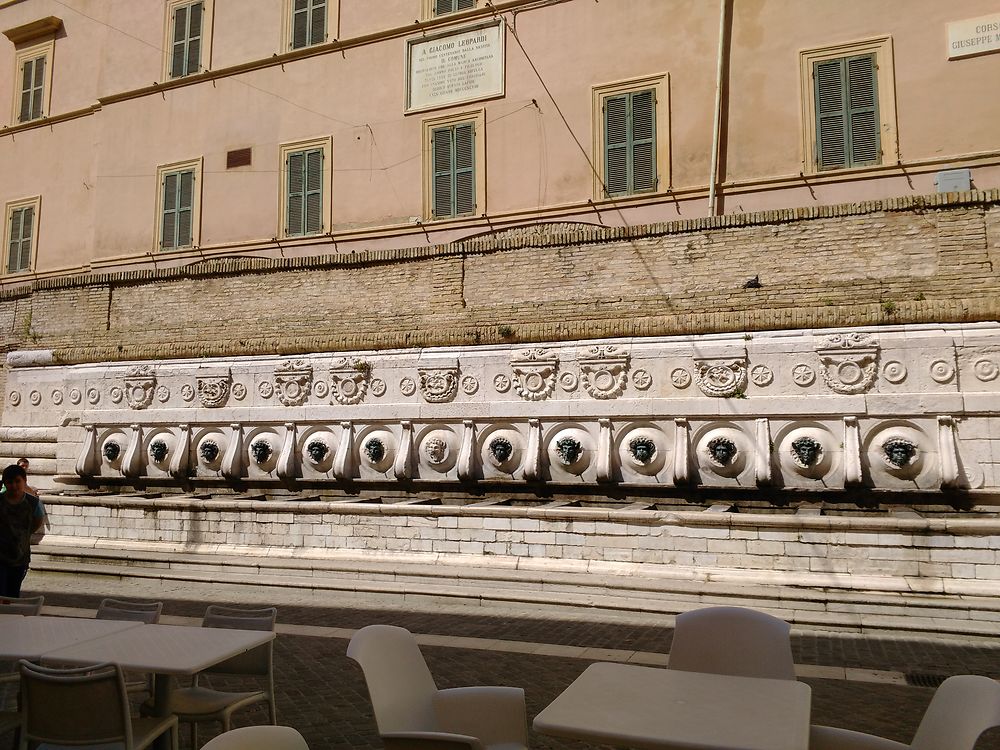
(322, 693)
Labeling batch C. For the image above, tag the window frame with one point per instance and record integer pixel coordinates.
(477, 117)
(207, 20)
(287, 25)
(882, 49)
(162, 171)
(35, 203)
(325, 144)
(45, 50)
(659, 83)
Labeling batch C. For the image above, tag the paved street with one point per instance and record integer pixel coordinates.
(323, 695)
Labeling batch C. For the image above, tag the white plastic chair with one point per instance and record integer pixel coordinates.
(199, 703)
(962, 708)
(29, 606)
(258, 738)
(145, 612)
(732, 641)
(412, 714)
(83, 706)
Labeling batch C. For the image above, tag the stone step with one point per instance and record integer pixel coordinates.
(381, 582)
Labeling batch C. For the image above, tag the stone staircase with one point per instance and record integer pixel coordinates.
(549, 588)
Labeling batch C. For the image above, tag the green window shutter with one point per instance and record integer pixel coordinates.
(642, 120)
(178, 209)
(19, 243)
(453, 170)
(616, 145)
(847, 119)
(185, 53)
(27, 77)
(441, 7)
(465, 169)
(862, 87)
(314, 191)
(295, 204)
(465, 4)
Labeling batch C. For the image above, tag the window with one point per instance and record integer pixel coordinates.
(177, 213)
(305, 171)
(631, 140)
(849, 114)
(454, 165)
(21, 230)
(308, 23)
(185, 44)
(34, 79)
(188, 41)
(443, 7)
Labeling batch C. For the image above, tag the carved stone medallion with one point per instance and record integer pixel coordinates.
(407, 387)
(850, 362)
(349, 380)
(438, 385)
(470, 385)
(57, 397)
(377, 387)
(162, 394)
(761, 375)
(899, 452)
(534, 373)
(604, 371)
(721, 451)
(94, 396)
(806, 452)
(213, 390)
(680, 377)
(265, 389)
(986, 370)
(75, 397)
(293, 382)
(803, 374)
(239, 391)
(187, 392)
(35, 397)
(642, 380)
(942, 371)
(436, 450)
(14, 398)
(140, 382)
(116, 394)
(568, 381)
(721, 378)
(894, 372)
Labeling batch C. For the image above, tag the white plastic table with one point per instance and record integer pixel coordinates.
(664, 709)
(32, 637)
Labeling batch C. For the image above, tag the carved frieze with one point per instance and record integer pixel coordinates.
(850, 362)
(534, 373)
(349, 380)
(604, 370)
(293, 382)
(140, 383)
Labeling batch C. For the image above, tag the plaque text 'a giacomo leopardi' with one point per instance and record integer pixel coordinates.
(455, 68)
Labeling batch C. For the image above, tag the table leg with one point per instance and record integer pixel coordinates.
(161, 706)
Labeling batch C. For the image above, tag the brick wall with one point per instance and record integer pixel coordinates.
(929, 259)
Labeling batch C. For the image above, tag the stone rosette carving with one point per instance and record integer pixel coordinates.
(140, 384)
(14, 398)
(293, 382)
(501, 383)
(438, 385)
(187, 392)
(349, 380)
(57, 397)
(116, 394)
(75, 397)
(162, 394)
(850, 362)
(94, 396)
(213, 390)
(265, 388)
(469, 385)
(568, 381)
(942, 371)
(407, 386)
(894, 371)
(680, 377)
(377, 387)
(642, 380)
(761, 375)
(721, 378)
(534, 373)
(35, 397)
(604, 371)
(239, 391)
(803, 374)
(986, 370)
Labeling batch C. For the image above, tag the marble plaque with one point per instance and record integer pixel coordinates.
(462, 66)
(974, 37)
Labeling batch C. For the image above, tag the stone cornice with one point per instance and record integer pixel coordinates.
(34, 30)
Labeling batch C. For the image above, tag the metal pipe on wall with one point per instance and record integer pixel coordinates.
(717, 121)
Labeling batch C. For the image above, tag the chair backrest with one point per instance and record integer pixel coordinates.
(732, 641)
(79, 706)
(258, 738)
(399, 682)
(27, 606)
(962, 708)
(134, 611)
(256, 661)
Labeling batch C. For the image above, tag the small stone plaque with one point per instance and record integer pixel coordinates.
(458, 67)
(974, 37)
